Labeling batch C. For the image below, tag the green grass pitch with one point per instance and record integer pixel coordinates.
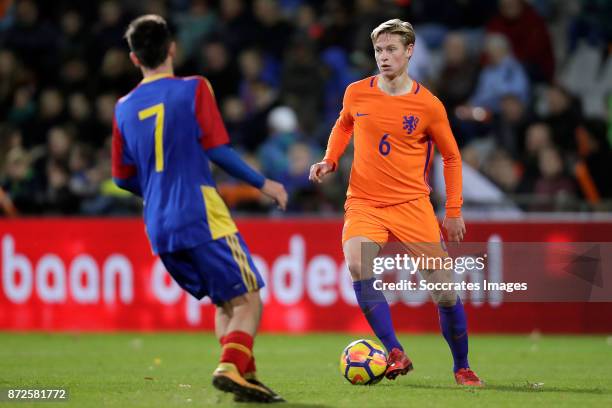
(173, 370)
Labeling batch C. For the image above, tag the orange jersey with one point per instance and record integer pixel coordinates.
(394, 138)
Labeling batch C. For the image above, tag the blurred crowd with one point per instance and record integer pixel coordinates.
(527, 86)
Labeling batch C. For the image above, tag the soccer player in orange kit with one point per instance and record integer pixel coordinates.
(395, 122)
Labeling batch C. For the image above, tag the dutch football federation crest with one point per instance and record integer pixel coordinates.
(410, 123)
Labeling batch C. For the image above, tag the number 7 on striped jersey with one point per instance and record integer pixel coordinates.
(158, 112)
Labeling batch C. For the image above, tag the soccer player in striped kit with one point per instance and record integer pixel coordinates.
(165, 132)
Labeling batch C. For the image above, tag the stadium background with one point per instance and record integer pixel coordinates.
(531, 109)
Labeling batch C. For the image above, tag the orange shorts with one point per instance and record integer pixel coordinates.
(412, 222)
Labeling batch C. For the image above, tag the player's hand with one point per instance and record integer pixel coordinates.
(455, 228)
(275, 191)
(320, 170)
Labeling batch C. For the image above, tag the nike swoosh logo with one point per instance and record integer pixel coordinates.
(362, 114)
(459, 336)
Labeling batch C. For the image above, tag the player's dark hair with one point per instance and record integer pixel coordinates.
(149, 38)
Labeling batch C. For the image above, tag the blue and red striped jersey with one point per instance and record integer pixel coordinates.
(161, 131)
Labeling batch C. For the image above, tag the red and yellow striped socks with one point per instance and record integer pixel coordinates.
(238, 350)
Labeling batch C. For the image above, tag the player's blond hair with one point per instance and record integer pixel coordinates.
(396, 26)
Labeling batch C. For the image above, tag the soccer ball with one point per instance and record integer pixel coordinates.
(363, 362)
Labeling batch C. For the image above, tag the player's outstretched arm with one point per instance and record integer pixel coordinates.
(320, 170)
(219, 152)
(227, 158)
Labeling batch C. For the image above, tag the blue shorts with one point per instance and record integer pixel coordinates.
(221, 269)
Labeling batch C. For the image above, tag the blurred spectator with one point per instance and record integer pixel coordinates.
(75, 40)
(302, 193)
(10, 137)
(51, 112)
(253, 70)
(273, 153)
(509, 126)
(23, 111)
(194, 25)
(19, 182)
(237, 25)
(59, 198)
(9, 78)
(368, 14)
(234, 115)
(217, 65)
(302, 83)
(337, 29)
(116, 74)
(591, 23)
(158, 7)
(307, 24)
(264, 99)
(502, 76)
(57, 150)
(528, 35)
(554, 189)
(255, 66)
(503, 171)
(563, 113)
(453, 14)
(80, 114)
(459, 72)
(272, 32)
(33, 39)
(74, 76)
(105, 111)
(595, 161)
(257, 97)
(420, 67)
(109, 30)
(537, 137)
(59, 143)
(79, 163)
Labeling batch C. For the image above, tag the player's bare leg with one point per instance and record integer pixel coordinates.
(373, 303)
(245, 312)
(352, 249)
(241, 316)
(223, 314)
(453, 325)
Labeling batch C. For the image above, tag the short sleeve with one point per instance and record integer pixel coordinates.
(122, 164)
(213, 132)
